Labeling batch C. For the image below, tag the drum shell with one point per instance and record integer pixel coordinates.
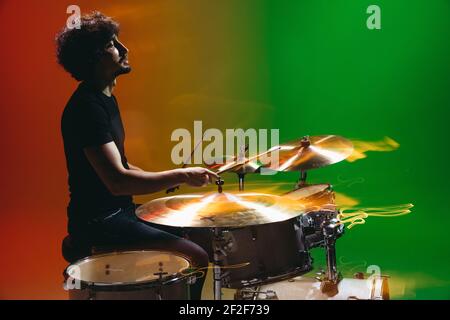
(274, 251)
(177, 289)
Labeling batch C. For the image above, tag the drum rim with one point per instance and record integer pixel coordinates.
(168, 279)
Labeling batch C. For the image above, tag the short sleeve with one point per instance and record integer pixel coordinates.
(95, 125)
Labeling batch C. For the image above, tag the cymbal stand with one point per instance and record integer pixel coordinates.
(219, 253)
(332, 277)
(241, 177)
(302, 180)
(305, 143)
(219, 256)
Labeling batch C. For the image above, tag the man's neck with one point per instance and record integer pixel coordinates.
(108, 89)
(104, 86)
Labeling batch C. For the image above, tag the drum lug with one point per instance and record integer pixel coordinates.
(191, 280)
(254, 233)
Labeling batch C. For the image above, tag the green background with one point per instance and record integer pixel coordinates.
(329, 74)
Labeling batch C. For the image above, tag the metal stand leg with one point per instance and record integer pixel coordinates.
(241, 181)
(330, 283)
(218, 258)
(302, 180)
(217, 281)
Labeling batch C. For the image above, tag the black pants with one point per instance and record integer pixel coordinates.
(121, 229)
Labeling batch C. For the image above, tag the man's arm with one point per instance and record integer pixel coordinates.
(106, 161)
(133, 167)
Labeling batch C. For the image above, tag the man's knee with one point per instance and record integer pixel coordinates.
(198, 256)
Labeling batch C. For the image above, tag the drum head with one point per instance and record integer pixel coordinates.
(127, 267)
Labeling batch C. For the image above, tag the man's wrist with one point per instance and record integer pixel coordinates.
(181, 175)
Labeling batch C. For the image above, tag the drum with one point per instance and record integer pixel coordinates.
(134, 275)
(302, 288)
(265, 253)
(320, 204)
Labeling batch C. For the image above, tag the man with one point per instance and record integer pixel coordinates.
(101, 180)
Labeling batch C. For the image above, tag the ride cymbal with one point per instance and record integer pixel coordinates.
(234, 165)
(219, 210)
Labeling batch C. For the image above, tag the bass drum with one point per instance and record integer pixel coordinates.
(302, 288)
(129, 275)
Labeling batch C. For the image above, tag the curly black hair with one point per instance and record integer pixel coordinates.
(78, 50)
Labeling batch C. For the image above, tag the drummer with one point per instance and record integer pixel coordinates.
(101, 181)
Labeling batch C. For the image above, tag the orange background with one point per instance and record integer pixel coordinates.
(184, 60)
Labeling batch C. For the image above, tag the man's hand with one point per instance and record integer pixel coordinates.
(198, 177)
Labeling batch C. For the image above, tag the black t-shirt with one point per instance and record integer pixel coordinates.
(91, 118)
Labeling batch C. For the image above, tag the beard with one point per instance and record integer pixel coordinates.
(123, 70)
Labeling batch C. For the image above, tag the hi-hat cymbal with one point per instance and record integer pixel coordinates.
(311, 153)
(219, 210)
(234, 165)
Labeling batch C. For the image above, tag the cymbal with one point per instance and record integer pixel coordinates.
(314, 197)
(234, 165)
(219, 210)
(311, 153)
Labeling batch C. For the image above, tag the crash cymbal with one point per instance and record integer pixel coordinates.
(311, 153)
(219, 210)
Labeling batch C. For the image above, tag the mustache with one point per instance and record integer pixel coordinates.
(124, 57)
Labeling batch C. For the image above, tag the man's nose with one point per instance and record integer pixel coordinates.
(122, 48)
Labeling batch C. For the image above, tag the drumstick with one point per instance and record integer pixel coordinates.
(252, 158)
(185, 165)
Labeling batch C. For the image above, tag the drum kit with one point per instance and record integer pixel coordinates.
(260, 242)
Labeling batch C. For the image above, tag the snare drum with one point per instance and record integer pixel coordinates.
(265, 253)
(129, 275)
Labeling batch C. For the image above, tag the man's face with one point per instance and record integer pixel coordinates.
(115, 60)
